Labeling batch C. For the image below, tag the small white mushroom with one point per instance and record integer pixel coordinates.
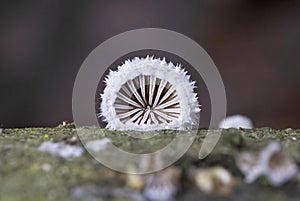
(149, 94)
(271, 162)
(236, 121)
(246, 162)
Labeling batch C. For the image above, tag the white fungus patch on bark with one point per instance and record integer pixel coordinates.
(146, 94)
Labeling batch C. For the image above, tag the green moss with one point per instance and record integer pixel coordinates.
(27, 174)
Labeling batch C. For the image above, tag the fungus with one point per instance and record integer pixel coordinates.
(146, 94)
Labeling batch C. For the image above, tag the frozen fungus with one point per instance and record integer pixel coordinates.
(146, 94)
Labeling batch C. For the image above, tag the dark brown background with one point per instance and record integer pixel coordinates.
(254, 43)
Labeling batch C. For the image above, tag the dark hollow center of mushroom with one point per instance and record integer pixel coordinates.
(147, 100)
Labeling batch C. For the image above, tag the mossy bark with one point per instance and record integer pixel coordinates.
(27, 174)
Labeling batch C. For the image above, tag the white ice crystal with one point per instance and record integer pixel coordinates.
(149, 94)
(236, 121)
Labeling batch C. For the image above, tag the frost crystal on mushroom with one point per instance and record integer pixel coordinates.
(149, 94)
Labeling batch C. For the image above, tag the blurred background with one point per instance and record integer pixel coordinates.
(254, 43)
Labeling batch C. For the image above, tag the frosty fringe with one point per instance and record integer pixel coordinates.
(149, 94)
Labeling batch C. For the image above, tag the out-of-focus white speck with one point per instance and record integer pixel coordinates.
(215, 180)
(97, 145)
(134, 181)
(47, 167)
(236, 121)
(272, 163)
(162, 185)
(61, 149)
